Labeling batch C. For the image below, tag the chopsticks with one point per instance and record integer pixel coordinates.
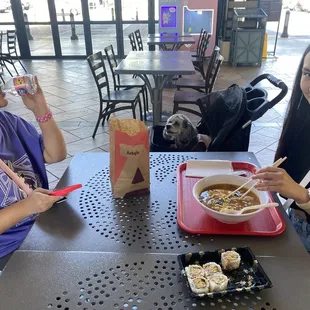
(19, 181)
(275, 164)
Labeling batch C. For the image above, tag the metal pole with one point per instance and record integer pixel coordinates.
(275, 44)
(63, 15)
(112, 12)
(73, 32)
(285, 28)
(29, 36)
(137, 14)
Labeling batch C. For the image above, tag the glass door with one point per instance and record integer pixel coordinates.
(134, 17)
(103, 24)
(70, 27)
(6, 23)
(38, 27)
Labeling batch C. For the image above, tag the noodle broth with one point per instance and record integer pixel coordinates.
(213, 197)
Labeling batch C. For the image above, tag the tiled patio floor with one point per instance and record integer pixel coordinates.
(72, 96)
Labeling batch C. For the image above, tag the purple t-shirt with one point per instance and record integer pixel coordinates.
(21, 148)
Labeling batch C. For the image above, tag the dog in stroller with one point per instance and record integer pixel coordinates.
(182, 132)
(226, 120)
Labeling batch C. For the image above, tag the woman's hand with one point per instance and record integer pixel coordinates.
(3, 100)
(40, 201)
(277, 180)
(36, 103)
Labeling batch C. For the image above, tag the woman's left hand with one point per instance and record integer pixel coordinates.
(36, 103)
(278, 180)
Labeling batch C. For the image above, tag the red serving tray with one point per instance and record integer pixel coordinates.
(192, 218)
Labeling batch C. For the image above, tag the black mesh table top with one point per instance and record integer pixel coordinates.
(95, 281)
(92, 220)
(95, 252)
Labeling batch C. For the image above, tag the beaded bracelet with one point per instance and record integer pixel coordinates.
(45, 118)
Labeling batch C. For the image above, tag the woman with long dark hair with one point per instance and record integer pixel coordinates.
(295, 145)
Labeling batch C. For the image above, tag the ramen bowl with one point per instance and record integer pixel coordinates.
(227, 218)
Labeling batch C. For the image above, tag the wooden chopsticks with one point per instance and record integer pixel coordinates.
(275, 164)
(19, 181)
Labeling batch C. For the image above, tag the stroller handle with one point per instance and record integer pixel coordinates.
(272, 79)
(268, 104)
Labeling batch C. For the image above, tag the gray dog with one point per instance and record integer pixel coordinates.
(180, 130)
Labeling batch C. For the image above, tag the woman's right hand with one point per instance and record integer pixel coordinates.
(278, 180)
(40, 201)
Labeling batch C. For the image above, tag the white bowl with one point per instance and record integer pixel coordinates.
(228, 179)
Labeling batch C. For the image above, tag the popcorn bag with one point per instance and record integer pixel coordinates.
(129, 157)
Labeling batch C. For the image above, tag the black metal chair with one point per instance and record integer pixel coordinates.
(1, 73)
(139, 40)
(189, 97)
(132, 40)
(112, 98)
(126, 84)
(202, 34)
(11, 51)
(2, 63)
(198, 62)
(195, 84)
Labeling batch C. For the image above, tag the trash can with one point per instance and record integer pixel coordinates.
(247, 39)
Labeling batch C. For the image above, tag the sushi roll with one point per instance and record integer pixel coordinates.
(193, 271)
(211, 268)
(230, 260)
(199, 285)
(218, 282)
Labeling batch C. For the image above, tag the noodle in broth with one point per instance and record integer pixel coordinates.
(213, 197)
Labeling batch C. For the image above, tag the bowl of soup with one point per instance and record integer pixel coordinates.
(211, 192)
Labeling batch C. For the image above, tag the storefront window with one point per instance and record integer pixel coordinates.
(134, 10)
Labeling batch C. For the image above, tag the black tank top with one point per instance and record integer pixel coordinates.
(297, 145)
(297, 148)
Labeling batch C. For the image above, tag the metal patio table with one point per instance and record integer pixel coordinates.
(97, 252)
(170, 42)
(162, 66)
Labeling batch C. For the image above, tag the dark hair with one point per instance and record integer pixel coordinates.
(291, 124)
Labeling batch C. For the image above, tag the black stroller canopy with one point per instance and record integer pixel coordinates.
(221, 112)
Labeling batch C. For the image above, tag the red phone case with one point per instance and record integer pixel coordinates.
(65, 191)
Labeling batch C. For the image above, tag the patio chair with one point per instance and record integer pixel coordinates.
(132, 41)
(198, 62)
(2, 63)
(11, 46)
(189, 97)
(126, 84)
(195, 84)
(112, 99)
(139, 40)
(1, 73)
(202, 34)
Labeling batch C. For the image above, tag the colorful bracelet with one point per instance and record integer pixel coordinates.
(45, 118)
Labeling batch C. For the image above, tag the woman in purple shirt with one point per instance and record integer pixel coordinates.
(25, 151)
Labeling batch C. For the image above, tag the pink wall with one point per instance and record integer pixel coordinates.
(203, 4)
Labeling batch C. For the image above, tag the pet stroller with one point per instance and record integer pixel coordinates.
(227, 116)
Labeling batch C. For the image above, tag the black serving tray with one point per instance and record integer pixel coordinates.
(250, 276)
